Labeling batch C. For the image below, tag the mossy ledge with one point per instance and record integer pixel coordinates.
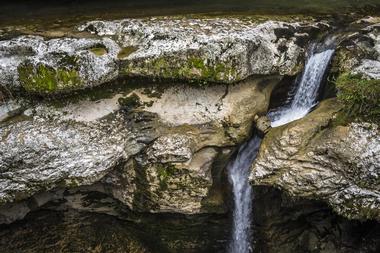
(47, 80)
(193, 68)
(360, 96)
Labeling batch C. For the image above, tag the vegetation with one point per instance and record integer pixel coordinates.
(360, 97)
(165, 171)
(130, 102)
(43, 79)
(194, 69)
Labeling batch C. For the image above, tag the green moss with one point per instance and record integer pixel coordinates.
(165, 171)
(126, 51)
(194, 69)
(361, 97)
(200, 68)
(43, 79)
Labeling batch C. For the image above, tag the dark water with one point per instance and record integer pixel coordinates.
(25, 10)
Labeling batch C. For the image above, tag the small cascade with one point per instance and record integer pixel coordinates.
(238, 175)
(304, 100)
(306, 95)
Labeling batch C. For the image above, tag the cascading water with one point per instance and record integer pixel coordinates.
(304, 100)
(242, 191)
(307, 91)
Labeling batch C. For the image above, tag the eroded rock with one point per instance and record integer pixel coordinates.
(56, 65)
(224, 50)
(359, 53)
(336, 164)
(154, 157)
(217, 50)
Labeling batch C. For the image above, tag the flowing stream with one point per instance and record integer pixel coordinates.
(307, 90)
(242, 192)
(304, 100)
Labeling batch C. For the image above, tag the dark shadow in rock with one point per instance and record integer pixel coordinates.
(285, 225)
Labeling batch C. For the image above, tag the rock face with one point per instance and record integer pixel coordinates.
(181, 170)
(336, 164)
(359, 52)
(151, 154)
(205, 50)
(57, 65)
(292, 225)
(222, 50)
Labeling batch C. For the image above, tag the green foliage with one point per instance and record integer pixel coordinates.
(361, 97)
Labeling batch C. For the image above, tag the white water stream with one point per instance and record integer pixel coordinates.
(307, 91)
(304, 100)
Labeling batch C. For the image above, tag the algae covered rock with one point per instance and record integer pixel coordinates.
(337, 164)
(210, 49)
(56, 65)
(203, 50)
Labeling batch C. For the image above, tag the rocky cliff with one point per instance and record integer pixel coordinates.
(138, 118)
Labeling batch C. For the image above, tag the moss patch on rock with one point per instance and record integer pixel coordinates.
(45, 79)
(192, 68)
(360, 96)
(165, 171)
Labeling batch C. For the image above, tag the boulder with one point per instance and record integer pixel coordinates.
(315, 159)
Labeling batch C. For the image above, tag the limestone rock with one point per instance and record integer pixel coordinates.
(219, 50)
(39, 154)
(262, 124)
(56, 65)
(224, 50)
(181, 170)
(160, 155)
(359, 53)
(310, 158)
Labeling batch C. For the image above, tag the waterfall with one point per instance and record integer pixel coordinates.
(304, 100)
(306, 94)
(239, 170)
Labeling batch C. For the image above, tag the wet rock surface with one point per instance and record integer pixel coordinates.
(224, 50)
(287, 225)
(312, 159)
(359, 52)
(84, 220)
(148, 160)
(153, 156)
